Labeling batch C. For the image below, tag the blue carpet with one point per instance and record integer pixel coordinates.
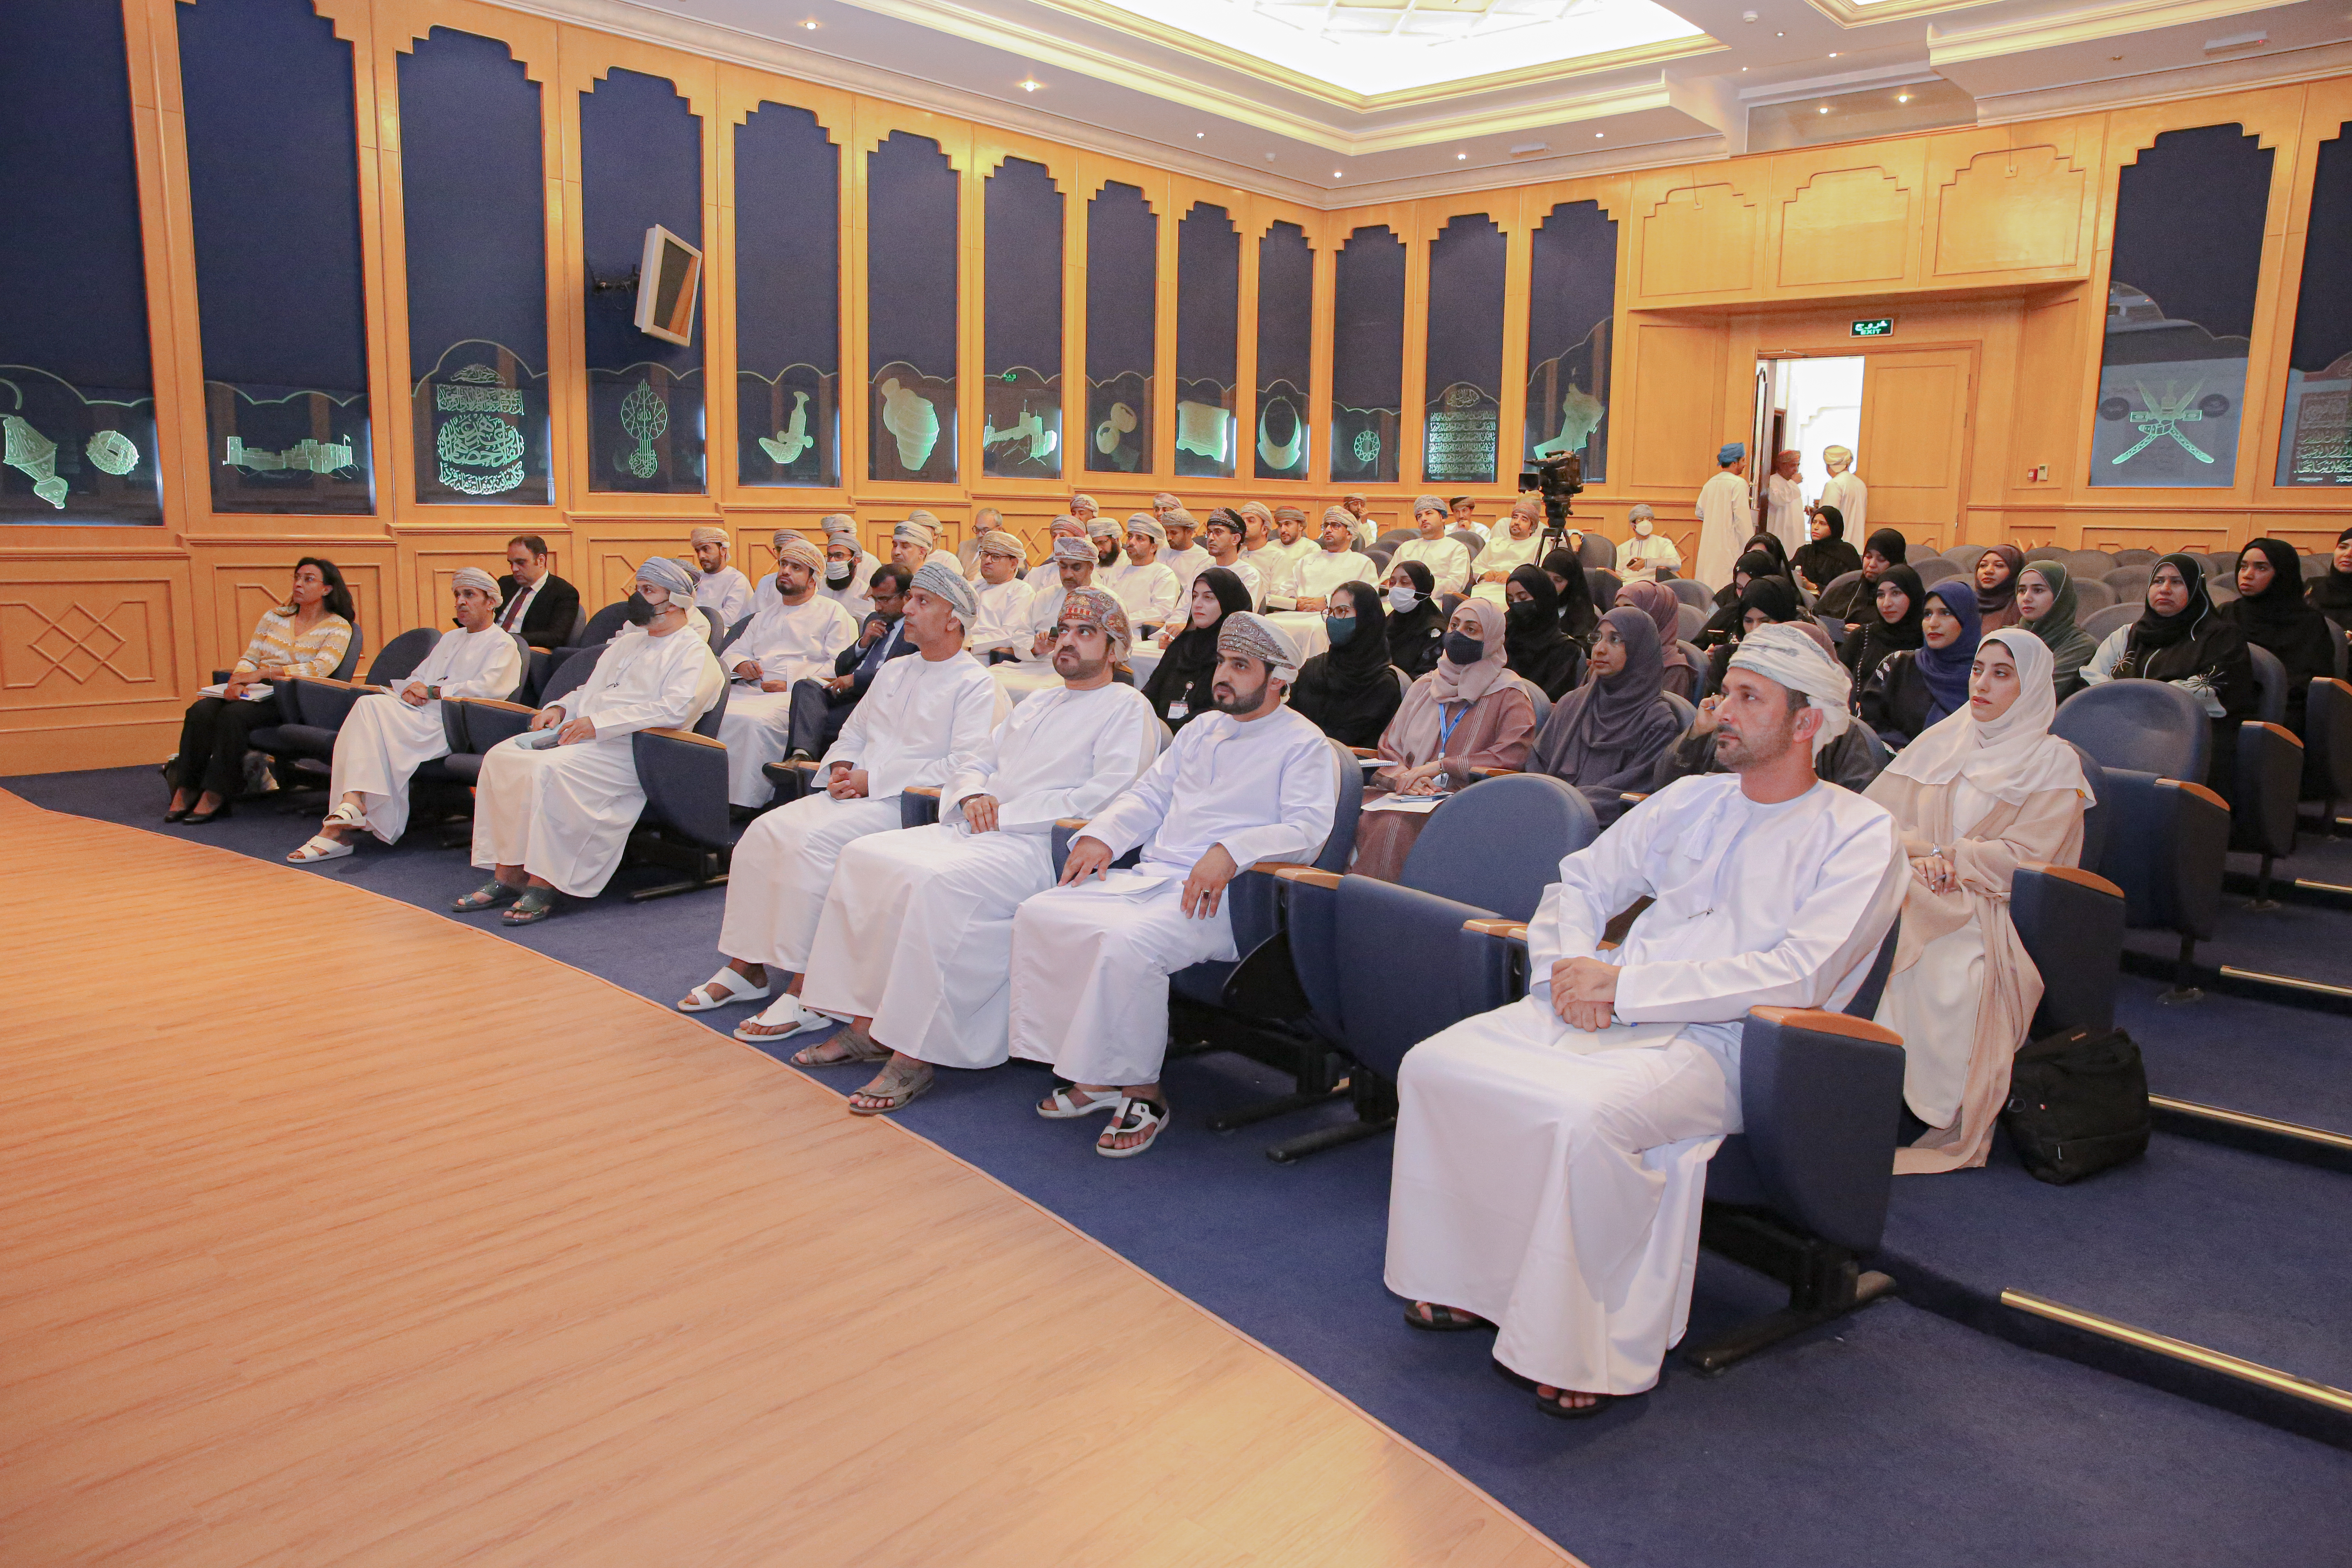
(2266, 1058)
(1895, 1437)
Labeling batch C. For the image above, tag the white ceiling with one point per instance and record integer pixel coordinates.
(1333, 102)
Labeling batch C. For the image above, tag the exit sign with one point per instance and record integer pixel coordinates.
(1876, 327)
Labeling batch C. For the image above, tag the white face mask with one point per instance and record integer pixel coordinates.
(1402, 598)
(1642, 526)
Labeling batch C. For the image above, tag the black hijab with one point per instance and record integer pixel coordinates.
(2280, 618)
(1723, 624)
(1416, 636)
(1189, 668)
(1769, 544)
(1577, 614)
(1853, 603)
(1776, 597)
(1866, 649)
(1351, 692)
(1889, 544)
(2200, 641)
(1825, 561)
(2332, 595)
(1534, 644)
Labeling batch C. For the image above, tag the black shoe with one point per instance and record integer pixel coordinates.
(198, 818)
(176, 814)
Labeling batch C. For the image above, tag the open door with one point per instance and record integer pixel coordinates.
(1914, 447)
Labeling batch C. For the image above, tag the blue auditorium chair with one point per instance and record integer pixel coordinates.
(686, 822)
(2072, 923)
(1211, 1000)
(2166, 836)
(301, 746)
(604, 625)
(1597, 550)
(1697, 598)
(2058, 552)
(2268, 779)
(2328, 736)
(1484, 856)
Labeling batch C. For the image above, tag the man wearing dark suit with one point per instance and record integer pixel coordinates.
(820, 707)
(537, 603)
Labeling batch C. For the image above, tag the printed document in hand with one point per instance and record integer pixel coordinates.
(252, 693)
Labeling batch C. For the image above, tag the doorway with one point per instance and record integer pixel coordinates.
(1904, 414)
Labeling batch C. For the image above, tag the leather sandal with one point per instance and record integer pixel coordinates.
(1552, 1406)
(1441, 1319)
(894, 1086)
(534, 906)
(491, 895)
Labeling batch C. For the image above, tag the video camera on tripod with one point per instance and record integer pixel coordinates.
(1557, 481)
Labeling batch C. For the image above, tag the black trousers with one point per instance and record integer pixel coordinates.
(214, 741)
(815, 719)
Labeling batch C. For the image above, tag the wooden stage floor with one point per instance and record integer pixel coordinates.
(336, 1232)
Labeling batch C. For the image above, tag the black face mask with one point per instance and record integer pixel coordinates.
(1463, 648)
(837, 573)
(1526, 614)
(640, 610)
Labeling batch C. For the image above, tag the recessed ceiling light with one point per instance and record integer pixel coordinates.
(811, 24)
(1459, 156)
(1028, 86)
(2114, 57)
(1825, 109)
(1599, 134)
(1780, 34)
(1197, 134)
(1901, 98)
(1834, 54)
(1337, 175)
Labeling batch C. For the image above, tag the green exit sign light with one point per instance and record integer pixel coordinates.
(1876, 327)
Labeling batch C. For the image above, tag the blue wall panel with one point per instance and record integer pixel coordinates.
(2316, 436)
(473, 211)
(787, 299)
(912, 206)
(77, 391)
(1023, 399)
(1208, 333)
(1286, 350)
(273, 187)
(1572, 305)
(1368, 356)
(1461, 425)
(640, 165)
(1122, 327)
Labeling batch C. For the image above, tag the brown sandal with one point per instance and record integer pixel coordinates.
(847, 1043)
(894, 1086)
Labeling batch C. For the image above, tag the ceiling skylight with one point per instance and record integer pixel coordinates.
(1372, 47)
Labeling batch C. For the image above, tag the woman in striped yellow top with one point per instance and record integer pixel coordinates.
(305, 636)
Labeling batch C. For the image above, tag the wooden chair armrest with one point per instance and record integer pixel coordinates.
(802, 764)
(1306, 874)
(1276, 868)
(669, 734)
(2081, 878)
(2199, 790)
(929, 791)
(2280, 729)
(1071, 823)
(1478, 774)
(1506, 929)
(1631, 797)
(1826, 1022)
(2334, 681)
(502, 704)
(1366, 752)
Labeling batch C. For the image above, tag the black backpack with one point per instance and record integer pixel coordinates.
(2077, 1104)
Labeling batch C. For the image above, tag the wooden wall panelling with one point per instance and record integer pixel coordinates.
(2326, 109)
(96, 656)
(1678, 370)
(607, 551)
(584, 59)
(1701, 232)
(171, 295)
(2019, 201)
(239, 579)
(1846, 218)
(765, 509)
(1325, 232)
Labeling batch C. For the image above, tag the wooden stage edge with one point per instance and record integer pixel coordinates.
(340, 1233)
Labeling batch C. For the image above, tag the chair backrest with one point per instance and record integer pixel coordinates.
(1874, 984)
(1467, 539)
(2102, 624)
(2095, 816)
(1536, 696)
(2146, 726)
(1938, 569)
(536, 669)
(1692, 592)
(1380, 555)
(1834, 626)
(1603, 585)
(575, 668)
(1404, 680)
(1348, 796)
(1684, 713)
(1498, 844)
(1597, 550)
(579, 630)
(1396, 536)
(2343, 648)
(351, 652)
(732, 633)
(2317, 564)
(1447, 603)
(2136, 557)
(1689, 621)
(2129, 582)
(1691, 651)
(2081, 563)
(2221, 590)
(1843, 580)
(532, 669)
(685, 788)
(402, 655)
(2048, 552)
(2269, 685)
(604, 625)
(2091, 594)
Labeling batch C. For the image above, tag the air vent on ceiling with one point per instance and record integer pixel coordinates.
(1529, 149)
(2235, 42)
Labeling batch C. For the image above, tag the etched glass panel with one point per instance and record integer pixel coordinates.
(912, 203)
(1023, 396)
(1462, 421)
(2316, 434)
(1207, 331)
(1368, 357)
(1572, 304)
(1122, 323)
(1286, 337)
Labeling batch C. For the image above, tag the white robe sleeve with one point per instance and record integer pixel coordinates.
(498, 673)
(1159, 607)
(1118, 751)
(1844, 915)
(1307, 805)
(1595, 884)
(970, 718)
(1139, 809)
(657, 691)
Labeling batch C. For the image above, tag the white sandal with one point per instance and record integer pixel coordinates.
(1136, 1114)
(784, 1010)
(702, 998)
(319, 846)
(1060, 1107)
(345, 815)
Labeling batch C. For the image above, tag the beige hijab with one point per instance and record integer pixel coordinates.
(1417, 723)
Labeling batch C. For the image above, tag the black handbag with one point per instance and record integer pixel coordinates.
(2077, 1104)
